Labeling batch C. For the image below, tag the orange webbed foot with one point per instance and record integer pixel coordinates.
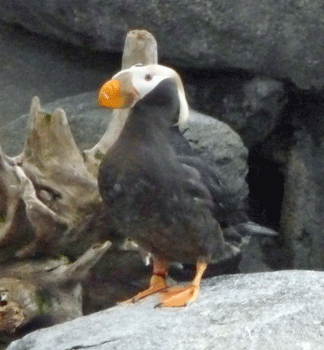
(179, 296)
(182, 296)
(157, 284)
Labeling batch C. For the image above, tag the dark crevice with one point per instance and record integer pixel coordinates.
(206, 89)
(77, 347)
(266, 162)
(266, 183)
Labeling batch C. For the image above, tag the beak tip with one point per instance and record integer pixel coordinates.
(109, 95)
(100, 99)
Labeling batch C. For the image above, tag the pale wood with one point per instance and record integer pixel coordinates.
(50, 193)
(51, 179)
(140, 47)
(10, 197)
(23, 285)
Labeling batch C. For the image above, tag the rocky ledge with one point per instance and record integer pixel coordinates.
(275, 310)
(278, 39)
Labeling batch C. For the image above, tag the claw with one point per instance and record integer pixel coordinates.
(157, 284)
(182, 296)
(179, 296)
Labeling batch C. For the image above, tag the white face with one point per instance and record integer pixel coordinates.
(146, 78)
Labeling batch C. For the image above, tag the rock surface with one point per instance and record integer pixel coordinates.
(278, 310)
(279, 39)
(32, 65)
(251, 106)
(302, 219)
(250, 103)
(213, 139)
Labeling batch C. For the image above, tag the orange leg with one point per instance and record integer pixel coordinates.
(182, 296)
(157, 283)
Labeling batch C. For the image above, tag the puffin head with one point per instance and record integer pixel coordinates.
(132, 85)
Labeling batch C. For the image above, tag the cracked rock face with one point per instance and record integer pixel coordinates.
(213, 139)
(277, 310)
(278, 39)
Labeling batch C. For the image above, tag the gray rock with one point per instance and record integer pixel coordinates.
(216, 141)
(302, 218)
(277, 310)
(88, 122)
(31, 65)
(258, 112)
(278, 39)
(251, 106)
(221, 146)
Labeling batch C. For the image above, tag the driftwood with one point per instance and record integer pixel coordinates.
(49, 182)
(44, 291)
(50, 189)
(140, 47)
(50, 205)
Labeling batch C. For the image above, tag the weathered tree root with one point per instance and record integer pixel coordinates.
(50, 204)
(50, 290)
(51, 187)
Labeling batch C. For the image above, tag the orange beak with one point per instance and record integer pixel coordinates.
(110, 95)
(117, 92)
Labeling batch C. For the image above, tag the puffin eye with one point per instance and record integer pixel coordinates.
(148, 77)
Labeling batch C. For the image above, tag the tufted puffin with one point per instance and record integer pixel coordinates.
(157, 191)
(153, 196)
(228, 209)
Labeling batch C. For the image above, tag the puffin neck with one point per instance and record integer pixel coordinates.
(146, 124)
(156, 111)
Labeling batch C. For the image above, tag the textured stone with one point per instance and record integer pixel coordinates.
(302, 218)
(277, 310)
(278, 39)
(32, 65)
(251, 106)
(212, 138)
(220, 146)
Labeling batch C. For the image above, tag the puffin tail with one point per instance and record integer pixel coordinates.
(247, 229)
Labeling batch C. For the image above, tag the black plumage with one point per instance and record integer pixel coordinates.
(153, 196)
(229, 210)
(157, 190)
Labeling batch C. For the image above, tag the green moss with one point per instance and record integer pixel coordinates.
(28, 153)
(48, 118)
(84, 156)
(99, 155)
(2, 216)
(43, 300)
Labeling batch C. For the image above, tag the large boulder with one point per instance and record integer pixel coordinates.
(251, 106)
(278, 39)
(216, 141)
(277, 310)
(33, 65)
(302, 218)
